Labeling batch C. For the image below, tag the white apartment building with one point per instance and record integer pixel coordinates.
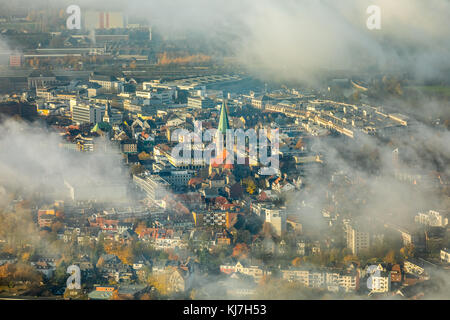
(431, 218)
(381, 283)
(255, 271)
(331, 280)
(109, 83)
(154, 186)
(277, 219)
(85, 113)
(445, 255)
(177, 178)
(166, 96)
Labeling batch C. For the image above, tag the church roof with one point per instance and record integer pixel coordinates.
(223, 120)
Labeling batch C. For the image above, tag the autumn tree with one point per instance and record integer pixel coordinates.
(350, 258)
(123, 252)
(240, 251)
(300, 144)
(137, 169)
(144, 156)
(407, 251)
(250, 185)
(159, 282)
(297, 262)
(390, 257)
(141, 227)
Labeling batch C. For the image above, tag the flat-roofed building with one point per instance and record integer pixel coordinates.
(357, 239)
(155, 187)
(200, 102)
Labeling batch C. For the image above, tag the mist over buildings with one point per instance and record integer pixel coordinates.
(299, 40)
(32, 161)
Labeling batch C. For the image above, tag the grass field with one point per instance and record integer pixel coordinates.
(443, 91)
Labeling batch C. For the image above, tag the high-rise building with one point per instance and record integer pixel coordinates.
(357, 239)
(277, 219)
(431, 218)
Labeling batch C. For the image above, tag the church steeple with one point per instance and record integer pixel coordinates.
(223, 120)
(107, 115)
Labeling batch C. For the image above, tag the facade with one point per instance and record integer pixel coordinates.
(177, 178)
(109, 83)
(191, 163)
(200, 102)
(103, 20)
(165, 96)
(328, 279)
(85, 113)
(240, 267)
(213, 218)
(39, 79)
(259, 102)
(178, 281)
(414, 267)
(128, 146)
(277, 219)
(445, 255)
(357, 240)
(154, 186)
(15, 60)
(381, 283)
(44, 93)
(431, 218)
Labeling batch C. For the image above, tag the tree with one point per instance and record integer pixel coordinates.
(159, 282)
(250, 185)
(407, 251)
(390, 257)
(137, 169)
(240, 251)
(243, 236)
(350, 258)
(146, 296)
(141, 228)
(144, 156)
(297, 262)
(300, 144)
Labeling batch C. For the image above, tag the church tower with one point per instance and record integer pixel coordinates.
(107, 115)
(223, 120)
(220, 161)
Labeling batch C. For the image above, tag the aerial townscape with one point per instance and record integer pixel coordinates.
(147, 156)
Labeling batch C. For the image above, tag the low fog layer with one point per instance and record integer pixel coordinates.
(31, 160)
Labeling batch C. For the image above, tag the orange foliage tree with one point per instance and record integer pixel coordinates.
(240, 250)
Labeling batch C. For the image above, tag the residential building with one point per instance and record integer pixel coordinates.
(357, 239)
(213, 218)
(276, 217)
(431, 218)
(154, 186)
(244, 268)
(445, 255)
